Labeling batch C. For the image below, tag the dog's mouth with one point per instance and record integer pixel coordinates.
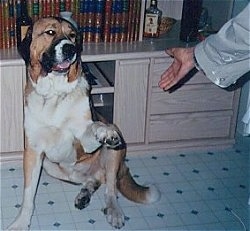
(62, 67)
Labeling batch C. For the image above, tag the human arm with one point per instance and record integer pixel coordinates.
(223, 57)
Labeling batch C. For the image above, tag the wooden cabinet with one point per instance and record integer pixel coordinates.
(12, 135)
(197, 115)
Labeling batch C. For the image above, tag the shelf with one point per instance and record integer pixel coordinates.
(100, 83)
(103, 99)
(101, 77)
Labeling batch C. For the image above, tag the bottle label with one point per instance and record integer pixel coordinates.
(151, 24)
(24, 30)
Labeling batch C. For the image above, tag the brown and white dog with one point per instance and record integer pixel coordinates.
(61, 135)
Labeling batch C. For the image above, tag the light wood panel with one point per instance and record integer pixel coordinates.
(130, 98)
(191, 98)
(189, 126)
(12, 82)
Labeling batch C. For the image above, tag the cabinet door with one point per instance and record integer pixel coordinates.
(12, 82)
(130, 98)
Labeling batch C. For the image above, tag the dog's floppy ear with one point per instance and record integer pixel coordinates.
(24, 46)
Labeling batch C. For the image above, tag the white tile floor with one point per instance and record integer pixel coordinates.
(200, 191)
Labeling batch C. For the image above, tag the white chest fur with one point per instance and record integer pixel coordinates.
(55, 116)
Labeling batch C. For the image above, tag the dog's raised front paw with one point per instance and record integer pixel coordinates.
(82, 199)
(108, 136)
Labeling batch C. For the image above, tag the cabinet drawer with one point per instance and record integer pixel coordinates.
(161, 64)
(191, 98)
(189, 126)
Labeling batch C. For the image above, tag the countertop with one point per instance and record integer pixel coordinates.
(114, 51)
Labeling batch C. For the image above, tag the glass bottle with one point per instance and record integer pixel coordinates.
(23, 22)
(152, 20)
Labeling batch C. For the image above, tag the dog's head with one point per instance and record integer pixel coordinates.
(52, 45)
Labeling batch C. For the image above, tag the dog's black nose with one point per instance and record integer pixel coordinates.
(69, 50)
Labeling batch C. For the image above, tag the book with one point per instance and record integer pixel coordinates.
(107, 20)
(67, 5)
(137, 21)
(90, 17)
(48, 8)
(56, 9)
(62, 5)
(1, 26)
(130, 21)
(35, 10)
(12, 24)
(98, 20)
(6, 25)
(124, 20)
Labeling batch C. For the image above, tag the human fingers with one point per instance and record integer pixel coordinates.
(165, 81)
(166, 84)
(169, 78)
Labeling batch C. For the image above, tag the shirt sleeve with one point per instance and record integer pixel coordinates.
(224, 57)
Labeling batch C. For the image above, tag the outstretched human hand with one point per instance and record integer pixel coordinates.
(182, 64)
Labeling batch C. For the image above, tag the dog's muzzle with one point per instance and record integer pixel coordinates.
(59, 57)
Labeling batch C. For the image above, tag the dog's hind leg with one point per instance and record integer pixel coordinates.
(73, 169)
(54, 170)
(93, 181)
(78, 176)
(32, 168)
(66, 172)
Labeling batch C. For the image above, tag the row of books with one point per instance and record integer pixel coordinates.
(98, 20)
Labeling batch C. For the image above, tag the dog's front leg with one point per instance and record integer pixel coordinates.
(32, 167)
(112, 160)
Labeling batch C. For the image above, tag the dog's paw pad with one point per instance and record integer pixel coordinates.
(113, 140)
(108, 137)
(82, 199)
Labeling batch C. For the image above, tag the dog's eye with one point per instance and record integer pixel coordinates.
(50, 32)
(72, 35)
